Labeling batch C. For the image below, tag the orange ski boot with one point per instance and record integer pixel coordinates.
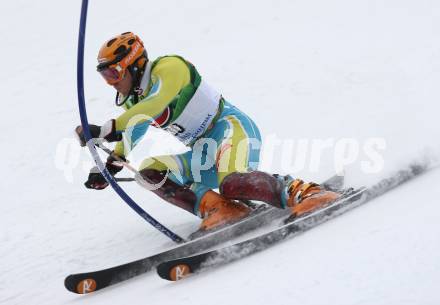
(307, 197)
(216, 211)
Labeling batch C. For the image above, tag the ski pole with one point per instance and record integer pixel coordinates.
(128, 179)
(117, 158)
(137, 175)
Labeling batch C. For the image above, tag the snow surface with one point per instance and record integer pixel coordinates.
(314, 70)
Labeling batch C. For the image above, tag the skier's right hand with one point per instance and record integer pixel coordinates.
(96, 180)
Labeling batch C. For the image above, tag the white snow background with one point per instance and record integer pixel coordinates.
(302, 69)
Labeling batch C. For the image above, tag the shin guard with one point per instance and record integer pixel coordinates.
(179, 195)
(256, 185)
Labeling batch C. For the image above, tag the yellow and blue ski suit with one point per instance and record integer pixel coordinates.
(221, 138)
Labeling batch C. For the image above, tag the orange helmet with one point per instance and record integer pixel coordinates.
(122, 52)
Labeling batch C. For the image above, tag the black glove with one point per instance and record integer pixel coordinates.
(107, 132)
(96, 180)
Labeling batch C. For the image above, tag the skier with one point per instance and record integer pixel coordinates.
(170, 94)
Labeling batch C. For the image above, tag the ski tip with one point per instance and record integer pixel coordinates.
(173, 272)
(80, 286)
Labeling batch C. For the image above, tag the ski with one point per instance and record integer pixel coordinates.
(180, 268)
(87, 282)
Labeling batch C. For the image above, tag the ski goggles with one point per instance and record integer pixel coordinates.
(112, 74)
(114, 71)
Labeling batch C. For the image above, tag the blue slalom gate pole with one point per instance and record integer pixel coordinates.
(85, 126)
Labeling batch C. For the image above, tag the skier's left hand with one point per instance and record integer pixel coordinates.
(107, 132)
